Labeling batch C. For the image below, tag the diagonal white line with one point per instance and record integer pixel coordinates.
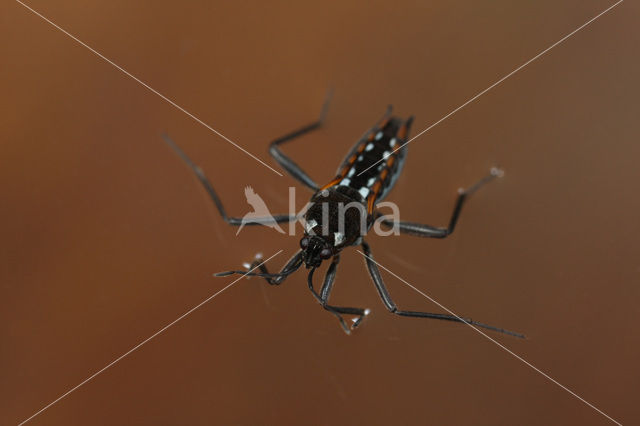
(143, 342)
(500, 345)
(495, 84)
(145, 85)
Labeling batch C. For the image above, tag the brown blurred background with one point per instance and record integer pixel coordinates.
(105, 236)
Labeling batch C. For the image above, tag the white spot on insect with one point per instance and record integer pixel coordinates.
(378, 136)
(392, 142)
(369, 147)
(360, 158)
(324, 193)
(364, 192)
(367, 311)
(371, 181)
(246, 265)
(381, 166)
(345, 182)
(351, 172)
(310, 225)
(385, 155)
(338, 238)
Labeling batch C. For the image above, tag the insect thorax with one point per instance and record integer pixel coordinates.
(339, 215)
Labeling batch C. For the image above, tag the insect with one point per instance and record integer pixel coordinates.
(365, 177)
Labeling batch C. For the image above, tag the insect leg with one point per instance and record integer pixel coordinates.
(274, 279)
(323, 298)
(391, 306)
(421, 230)
(235, 221)
(287, 163)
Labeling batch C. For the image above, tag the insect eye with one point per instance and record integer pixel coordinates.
(325, 253)
(304, 242)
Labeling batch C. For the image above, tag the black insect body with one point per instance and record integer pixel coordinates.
(324, 238)
(365, 177)
(342, 211)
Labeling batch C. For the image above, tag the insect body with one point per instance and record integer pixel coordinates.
(360, 182)
(365, 177)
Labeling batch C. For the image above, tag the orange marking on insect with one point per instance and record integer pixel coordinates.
(402, 133)
(390, 159)
(348, 165)
(345, 169)
(332, 183)
(373, 196)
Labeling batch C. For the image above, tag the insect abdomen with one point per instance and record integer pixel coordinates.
(372, 167)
